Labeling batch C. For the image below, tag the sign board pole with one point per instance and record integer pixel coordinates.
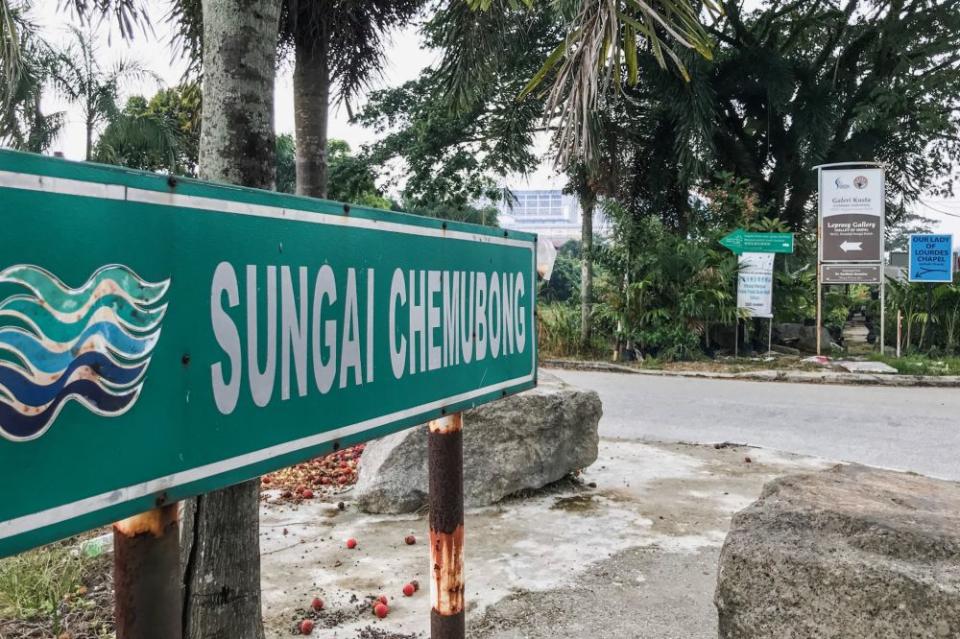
(736, 338)
(899, 331)
(770, 336)
(883, 249)
(146, 575)
(445, 460)
(819, 253)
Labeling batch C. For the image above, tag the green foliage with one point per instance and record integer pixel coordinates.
(597, 52)
(162, 134)
(454, 156)
(82, 80)
(663, 291)
(936, 330)
(921, 364)
(351, 177)
(793, 86)
(484, 215)
(564, 284)
(286, 164)
(558, 332)
(23, 124)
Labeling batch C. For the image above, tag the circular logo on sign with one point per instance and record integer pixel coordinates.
(860, 182)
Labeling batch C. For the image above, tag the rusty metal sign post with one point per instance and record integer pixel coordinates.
(146, 575)
(445, 454)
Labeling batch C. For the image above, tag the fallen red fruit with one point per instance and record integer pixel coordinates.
(351, 543)
(307, 493)
(383, 599)
(410, 539)
(265, 480)
(344, 479)
(317, 603)
(408, 590)
(381, 610)
(306, 627)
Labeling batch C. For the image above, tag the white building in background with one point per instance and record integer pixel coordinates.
(550, 213)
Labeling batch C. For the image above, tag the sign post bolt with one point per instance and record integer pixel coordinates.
(146, 575)
(445, 450)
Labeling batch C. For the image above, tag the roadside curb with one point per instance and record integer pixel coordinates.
(802, 377)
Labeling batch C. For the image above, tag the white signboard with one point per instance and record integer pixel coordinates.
(755, 284)
(851, 215)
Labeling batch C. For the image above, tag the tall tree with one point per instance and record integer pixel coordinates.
(140, 139)
(23, 124)
(84, 81)
(338, 46)
(14, 27)
(221, 545)
(794, 85)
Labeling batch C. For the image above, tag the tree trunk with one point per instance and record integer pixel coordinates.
(89, 144)
(221, 539)
(311, 107)
(587, 202)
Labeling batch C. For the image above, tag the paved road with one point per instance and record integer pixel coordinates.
(914, 429)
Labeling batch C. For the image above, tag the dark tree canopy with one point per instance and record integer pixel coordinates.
(801, 83)
(453, 154)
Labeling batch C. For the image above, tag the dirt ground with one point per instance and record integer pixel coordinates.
(629, 551)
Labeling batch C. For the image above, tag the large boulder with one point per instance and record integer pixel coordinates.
(847, 552)
(787, 334)
(521, 442)
(808, 340)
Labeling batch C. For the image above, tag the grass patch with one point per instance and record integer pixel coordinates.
(52, 590)
(921, 364)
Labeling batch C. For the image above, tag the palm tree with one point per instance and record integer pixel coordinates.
(603, 38)
(338, 47)
(83, 81)
(23, 125)
(13, 26)
(141, 139)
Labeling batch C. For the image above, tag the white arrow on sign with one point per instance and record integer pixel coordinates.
(851, 246)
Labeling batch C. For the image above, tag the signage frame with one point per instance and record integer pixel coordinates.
(835, 281)
(881, 219)
(882, 238)
(949, 262)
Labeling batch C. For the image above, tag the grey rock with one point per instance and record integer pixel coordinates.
(847, 552)
(521, 442)
(787, 333)
(808, 340)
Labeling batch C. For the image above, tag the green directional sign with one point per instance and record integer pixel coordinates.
(741, 241)
(161, 338)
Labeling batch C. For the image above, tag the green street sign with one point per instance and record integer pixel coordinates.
(162, 338)
(741, 241)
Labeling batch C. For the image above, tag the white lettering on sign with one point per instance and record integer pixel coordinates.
(453, 318)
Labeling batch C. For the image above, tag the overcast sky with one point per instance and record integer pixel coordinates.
(405, 56)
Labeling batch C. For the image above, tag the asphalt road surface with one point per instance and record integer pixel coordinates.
(916, 429)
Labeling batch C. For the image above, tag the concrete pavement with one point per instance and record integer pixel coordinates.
(916, 429)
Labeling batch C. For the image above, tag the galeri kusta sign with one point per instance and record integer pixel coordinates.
(161, 338)
(851, 215)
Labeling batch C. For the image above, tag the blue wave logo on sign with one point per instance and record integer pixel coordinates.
(58, 344)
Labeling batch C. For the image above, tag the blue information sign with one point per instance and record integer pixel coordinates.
(931, 258)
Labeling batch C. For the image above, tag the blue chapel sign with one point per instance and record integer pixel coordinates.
(931, 258)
